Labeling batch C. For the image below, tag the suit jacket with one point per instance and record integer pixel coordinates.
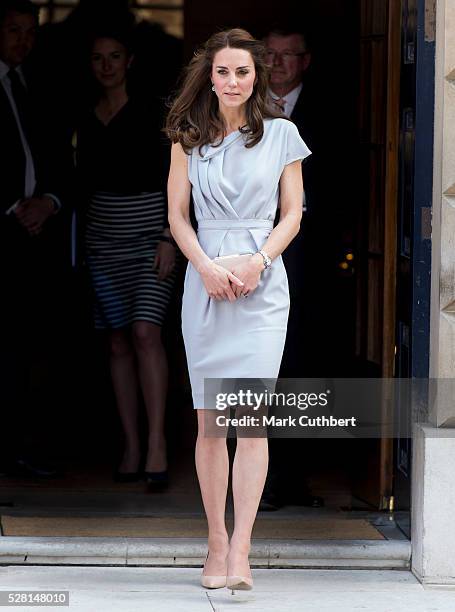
(52, 172)
(303, 115)
(12, 156)
(298, 257)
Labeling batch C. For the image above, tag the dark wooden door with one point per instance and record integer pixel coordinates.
(414, 223)
(380, 53)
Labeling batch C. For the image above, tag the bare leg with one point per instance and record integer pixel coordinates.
(153, 376)
(124, 380)
(248, 478)
(212, 466)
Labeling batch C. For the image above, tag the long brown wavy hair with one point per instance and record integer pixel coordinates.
(194, 119)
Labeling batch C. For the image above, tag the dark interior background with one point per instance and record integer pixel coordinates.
(82, 420)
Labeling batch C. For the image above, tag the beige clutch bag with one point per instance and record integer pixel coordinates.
(230, 261)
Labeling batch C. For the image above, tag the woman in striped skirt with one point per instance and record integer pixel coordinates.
(121, 160)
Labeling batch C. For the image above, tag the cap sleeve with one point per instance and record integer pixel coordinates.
(295, 146)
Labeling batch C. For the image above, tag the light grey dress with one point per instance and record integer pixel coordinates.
(235, 192)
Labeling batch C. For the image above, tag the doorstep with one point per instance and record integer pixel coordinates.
(191, 552)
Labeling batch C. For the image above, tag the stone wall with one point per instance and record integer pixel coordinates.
(433, 470)
(442, 351)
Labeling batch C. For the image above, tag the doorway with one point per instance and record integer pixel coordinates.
(355, 74)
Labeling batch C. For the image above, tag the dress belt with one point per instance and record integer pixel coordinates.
(227, 224)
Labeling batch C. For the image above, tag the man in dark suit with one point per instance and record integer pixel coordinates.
(289, 58)
(30, 233)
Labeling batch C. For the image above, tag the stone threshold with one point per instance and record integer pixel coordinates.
(191, 552)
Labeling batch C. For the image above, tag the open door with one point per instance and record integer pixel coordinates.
(380, 53)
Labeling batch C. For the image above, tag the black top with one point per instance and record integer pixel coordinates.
(129, 155)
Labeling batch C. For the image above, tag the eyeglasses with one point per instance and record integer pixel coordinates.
(271, 54)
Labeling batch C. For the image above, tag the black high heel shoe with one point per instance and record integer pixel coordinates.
(128, 476)
(157, 480)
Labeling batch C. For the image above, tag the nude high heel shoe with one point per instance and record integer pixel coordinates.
(213, 582)
(239, 583)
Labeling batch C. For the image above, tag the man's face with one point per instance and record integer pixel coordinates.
(288, 60)
(17, 37)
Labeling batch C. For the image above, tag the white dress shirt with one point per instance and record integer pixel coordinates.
(290, 99)
(30, 177)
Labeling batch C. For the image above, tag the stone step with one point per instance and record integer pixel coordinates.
(191, 552)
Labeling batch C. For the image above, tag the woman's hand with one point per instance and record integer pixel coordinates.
(164, 259)
(219, 282)
(250, 273)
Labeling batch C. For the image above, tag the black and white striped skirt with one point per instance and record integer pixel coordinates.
(121, 239)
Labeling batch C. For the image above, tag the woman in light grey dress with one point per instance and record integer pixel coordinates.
(237, 157)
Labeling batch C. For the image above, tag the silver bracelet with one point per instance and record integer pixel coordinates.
(266, 259)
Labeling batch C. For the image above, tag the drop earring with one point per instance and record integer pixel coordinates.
(213, 87)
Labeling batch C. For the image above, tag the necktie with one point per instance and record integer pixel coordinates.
(20, 97)
(280, 103)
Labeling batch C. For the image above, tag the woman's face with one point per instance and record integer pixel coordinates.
(110, 62)
(233, 75)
